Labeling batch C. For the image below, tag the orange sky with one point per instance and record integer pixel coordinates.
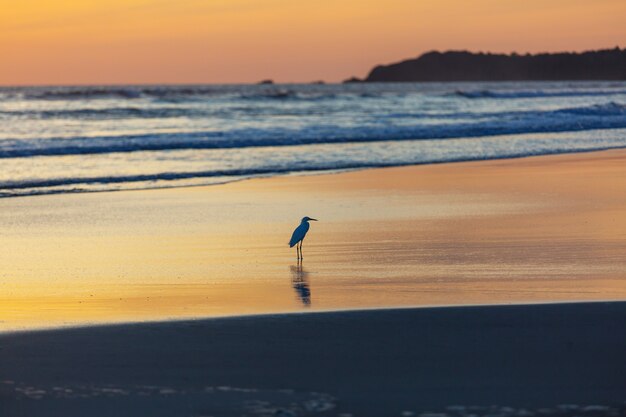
(212, 41)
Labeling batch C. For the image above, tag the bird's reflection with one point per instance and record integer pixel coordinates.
(300, 283)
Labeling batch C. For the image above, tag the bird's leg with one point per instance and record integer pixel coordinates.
(301, 242)
(298, 250)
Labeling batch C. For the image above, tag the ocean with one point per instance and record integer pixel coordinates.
(105, 138)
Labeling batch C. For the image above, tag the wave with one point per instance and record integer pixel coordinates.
(169, 93)
(138, 112)
(107, 113)
(106, 183)
(81, 94)
(282, 92)
(190, 111)
(495, 94)
(605, 116)
(602, 110)
(286, 94)
(94, 93)
(610, 109)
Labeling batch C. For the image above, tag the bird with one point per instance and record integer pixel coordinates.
(298, 235)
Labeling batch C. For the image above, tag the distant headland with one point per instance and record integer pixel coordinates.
(606, 64)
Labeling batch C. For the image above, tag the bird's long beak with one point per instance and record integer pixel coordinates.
(313, 220)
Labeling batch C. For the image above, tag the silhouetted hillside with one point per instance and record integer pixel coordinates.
(607, 64)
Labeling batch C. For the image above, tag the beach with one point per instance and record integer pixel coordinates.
(530, 230)
(488, 284)
(559, 359)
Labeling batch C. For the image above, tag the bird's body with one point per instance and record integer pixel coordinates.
(299, 234)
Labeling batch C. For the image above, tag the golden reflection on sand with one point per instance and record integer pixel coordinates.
(529, 230)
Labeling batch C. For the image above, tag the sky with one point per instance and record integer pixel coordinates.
(227, 41)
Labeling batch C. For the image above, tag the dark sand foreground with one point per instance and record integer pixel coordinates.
(365, 363)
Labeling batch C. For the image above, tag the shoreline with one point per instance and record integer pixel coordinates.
(366, 363)
(336, 171)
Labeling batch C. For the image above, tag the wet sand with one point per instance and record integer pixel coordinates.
(562, 359)
(532, 230)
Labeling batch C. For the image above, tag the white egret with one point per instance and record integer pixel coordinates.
(298, 235)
